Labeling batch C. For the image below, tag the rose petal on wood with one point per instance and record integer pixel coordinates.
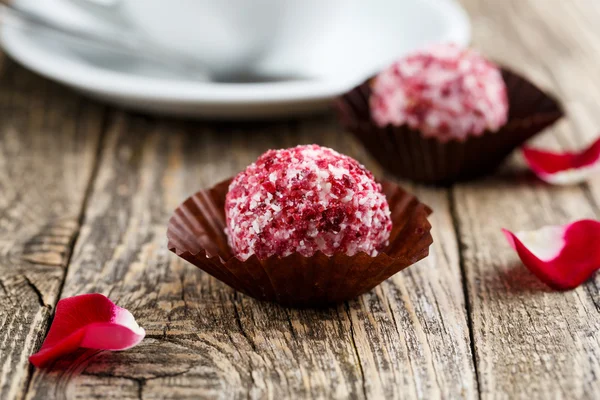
(564, 256)
(90, 321)
(566, 168)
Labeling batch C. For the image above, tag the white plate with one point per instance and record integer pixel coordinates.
(362, 40)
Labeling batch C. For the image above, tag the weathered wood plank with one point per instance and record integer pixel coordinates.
(407, 339)
(532, 342)
(48, 143)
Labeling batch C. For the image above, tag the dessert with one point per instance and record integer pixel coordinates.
(444, 91)
(306, 199)
(445, 114)
(302, 227)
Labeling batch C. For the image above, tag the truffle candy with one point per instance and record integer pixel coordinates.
(445, 92)
(306, 199)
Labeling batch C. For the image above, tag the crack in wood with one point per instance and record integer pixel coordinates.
(290, 323)
(238, 321)
(185, 307)
(465, 286)
(140, 392)
(355, 347)
(593, 294)
(167, 326)
(37, 292)
(5, 291)
(239, 324)
(151, 377)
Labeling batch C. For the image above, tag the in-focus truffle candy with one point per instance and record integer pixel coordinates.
(445, 91)
(306, 199)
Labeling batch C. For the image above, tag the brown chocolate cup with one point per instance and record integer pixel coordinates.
(196, 233)
(407, 154)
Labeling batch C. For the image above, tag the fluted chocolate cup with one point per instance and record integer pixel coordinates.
(406, 153)
(196, 233)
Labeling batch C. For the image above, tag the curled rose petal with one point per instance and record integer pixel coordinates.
(564, 256)
(91, 321)
(564, 168)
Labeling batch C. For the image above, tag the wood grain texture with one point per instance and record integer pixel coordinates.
(47, 154)
(532, 342)
(411, 337)
(407, 339)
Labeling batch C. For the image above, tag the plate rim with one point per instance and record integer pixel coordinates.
(110, 84)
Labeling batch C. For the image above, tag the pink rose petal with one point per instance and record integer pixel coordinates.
(91, 321)
(561, 256)
(564, 168)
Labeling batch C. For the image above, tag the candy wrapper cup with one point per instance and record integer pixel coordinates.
(407, 154)
(196, 233)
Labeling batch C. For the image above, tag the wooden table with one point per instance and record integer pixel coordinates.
(85, 193)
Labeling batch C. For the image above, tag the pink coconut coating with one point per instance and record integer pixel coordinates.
(306, 199)
(445, 92)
